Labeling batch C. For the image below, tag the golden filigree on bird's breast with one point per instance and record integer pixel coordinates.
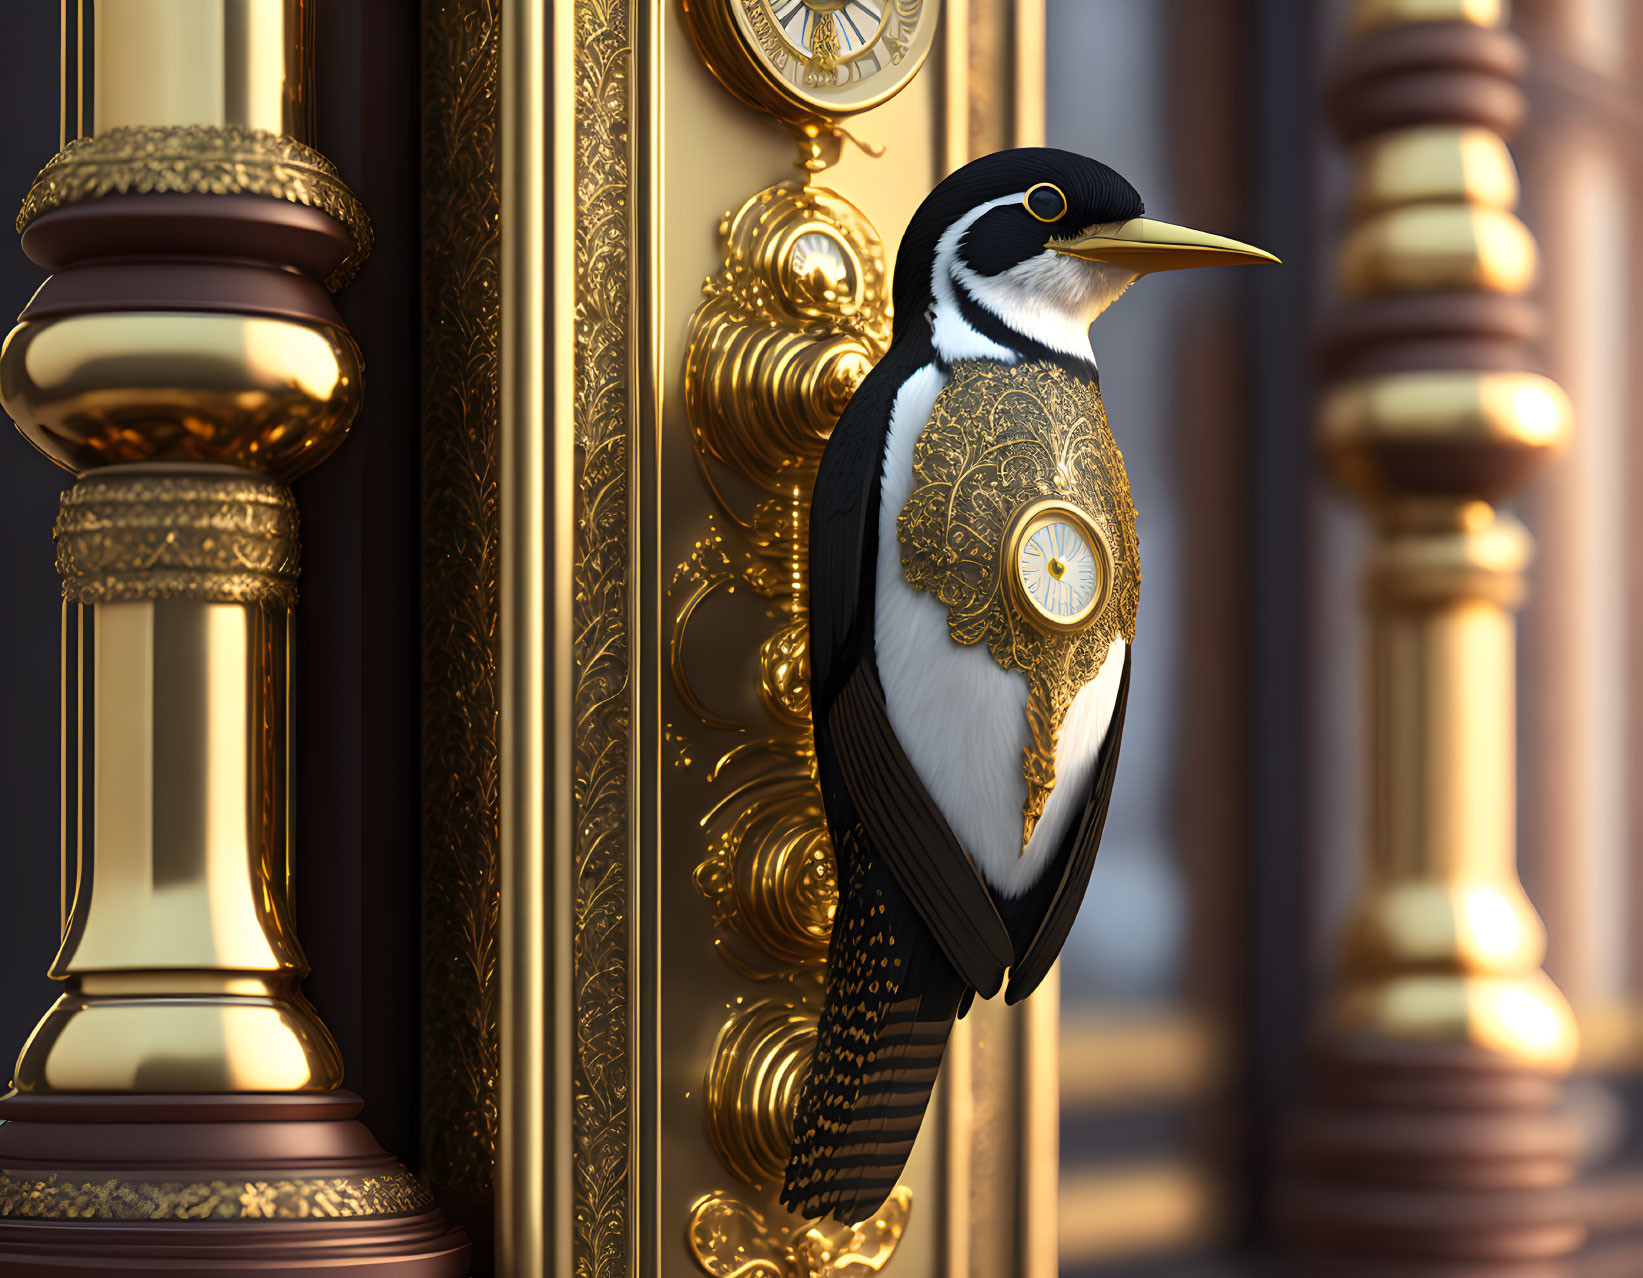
(1021, 522)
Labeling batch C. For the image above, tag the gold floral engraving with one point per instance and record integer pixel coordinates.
(601, 615)
(201, 159)
(786, 331)
(460, 416)
(1002, 439)
(122, 538)
(731, 1240)
(70, 1196)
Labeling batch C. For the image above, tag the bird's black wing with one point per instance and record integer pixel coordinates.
(865, 775)
(844, 526)
(914, 840)
(1055, 907)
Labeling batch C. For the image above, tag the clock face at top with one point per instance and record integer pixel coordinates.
(1060, 567)
(837, 56)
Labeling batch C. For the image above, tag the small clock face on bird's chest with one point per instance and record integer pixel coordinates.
(1060, 566)
(837, 56)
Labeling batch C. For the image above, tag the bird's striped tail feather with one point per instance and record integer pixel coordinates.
(889, 1007)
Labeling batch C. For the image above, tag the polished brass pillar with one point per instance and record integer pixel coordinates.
(1432, 1141)
(178, 1108)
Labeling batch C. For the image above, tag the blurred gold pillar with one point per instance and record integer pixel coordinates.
(1431, 1138)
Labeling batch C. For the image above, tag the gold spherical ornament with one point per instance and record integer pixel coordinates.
(813, 61)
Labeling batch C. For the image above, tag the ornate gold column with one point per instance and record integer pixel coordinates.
(1431, 1141)
(177, 1108)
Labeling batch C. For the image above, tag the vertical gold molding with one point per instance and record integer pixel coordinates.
(565, 1160)
(537, 521)
(644, 1022)
(599, 598)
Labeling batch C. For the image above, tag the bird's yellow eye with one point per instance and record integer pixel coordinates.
(1045, 202)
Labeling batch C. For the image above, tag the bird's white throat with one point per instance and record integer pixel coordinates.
(1051, 298)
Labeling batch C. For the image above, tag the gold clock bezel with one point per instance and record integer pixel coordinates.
(732, 53)
(1030, 519)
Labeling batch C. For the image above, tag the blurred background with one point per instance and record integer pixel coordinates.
(1238, 831)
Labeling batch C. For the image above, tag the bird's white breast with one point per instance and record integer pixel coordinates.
(959, 715)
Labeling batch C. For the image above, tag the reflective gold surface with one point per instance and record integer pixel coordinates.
(180, 873)
(731, 1240)
(268, 394)
(181, 899)
(169, 1043)
(1373, 15)
(1434, 162)
(759, 1065)
(539, 1230)
(172, 62)
(1435, 247)
(788, 327)
(1376, 429)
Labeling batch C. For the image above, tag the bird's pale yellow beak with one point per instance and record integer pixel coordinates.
(1143, 246)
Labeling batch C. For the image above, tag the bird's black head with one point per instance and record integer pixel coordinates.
(1035, 229)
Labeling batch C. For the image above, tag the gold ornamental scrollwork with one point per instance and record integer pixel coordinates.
(791, 323)
(787, 329)
(201, 159)
(759, 1064)
(230, 539)
(731, 1240)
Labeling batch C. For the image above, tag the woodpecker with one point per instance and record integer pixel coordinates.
(973, 581)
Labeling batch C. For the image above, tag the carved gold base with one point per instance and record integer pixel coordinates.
(266, 1185)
